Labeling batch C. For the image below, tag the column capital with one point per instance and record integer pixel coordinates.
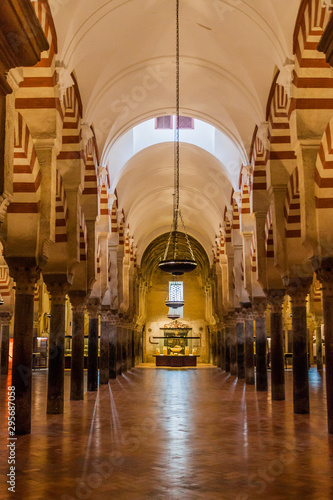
(5, 318)
(240, 316)
(94, 307)
(58, 287)
(230, 320)
(259, 305)
(298, 289)
(25, 277)
(275, 299)
(247, 311)
(106, 315)
(324, 271)
(78, 299)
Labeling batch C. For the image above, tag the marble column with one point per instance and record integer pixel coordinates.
(133, 347)
(78, 300)
(222, 348)
(119, 349)
(319, 345)
(5, 318)
(25, 277)
(104, 361)
(249, 349)
(276, 299)
(129, 348)
(219, 347)
(58, 287)
(113, 349)
(298, 290)
(94, 311)
(325, 276)
(240, 345)
(124, 349)
(259, 309)
(227, 348)
(233, 347)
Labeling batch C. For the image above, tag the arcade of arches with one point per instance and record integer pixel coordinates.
(86, 184)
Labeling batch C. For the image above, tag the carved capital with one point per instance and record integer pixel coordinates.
(25, 277)
(106, 315)
(325, 276)
(240, 316)
(275, 299)
(247, 311)
(94, 307)
(259, 305)
(5, 318)
(78, 300)
(298, 290)
(230, 320)
(58, 292)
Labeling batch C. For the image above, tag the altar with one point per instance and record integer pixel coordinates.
(177, 347)
(176, 361)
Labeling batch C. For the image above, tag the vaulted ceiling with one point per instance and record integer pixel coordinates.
(123, 55)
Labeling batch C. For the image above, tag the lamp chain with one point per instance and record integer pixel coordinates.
(176, 157)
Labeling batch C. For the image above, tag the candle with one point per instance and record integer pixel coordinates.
(187, 351)
(158, 352)
(165, 350)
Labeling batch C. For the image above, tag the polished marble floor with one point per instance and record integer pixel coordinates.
(165, 434)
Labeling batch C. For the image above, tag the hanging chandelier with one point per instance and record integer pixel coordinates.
(177, 261)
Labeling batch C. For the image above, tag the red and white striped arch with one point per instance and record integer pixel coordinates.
(292, 207)
(26, 172)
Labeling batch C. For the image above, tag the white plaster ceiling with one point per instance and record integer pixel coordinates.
(123, 54)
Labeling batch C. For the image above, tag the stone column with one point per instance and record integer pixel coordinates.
(222, 349)
(124, 348)
(5, 318)
(227, 347)
(58, 287)
(233, 346)
(94, 311)
(25, 277)
(113, 348)
(133, 347)
(78, 300)
(119, 349)
(325, 276)
(319, 345)
(298, 290)
(240, 345)
(104, 347)
(249, 350)
(259, 309)
(129, 348)
(276, 299)
(219, 347)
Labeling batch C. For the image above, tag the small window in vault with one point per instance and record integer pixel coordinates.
(163, 122)
(185, 122)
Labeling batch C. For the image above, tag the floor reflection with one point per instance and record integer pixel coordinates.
(174, 434)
